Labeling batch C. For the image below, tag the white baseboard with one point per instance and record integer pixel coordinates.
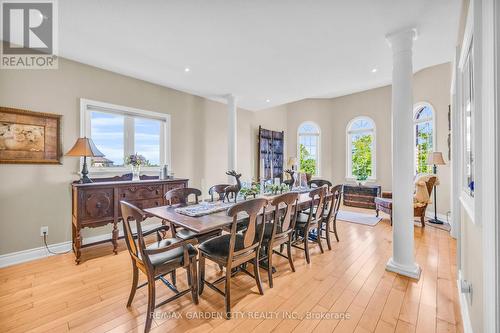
(464, 308)
(14, 258)
(442, 217)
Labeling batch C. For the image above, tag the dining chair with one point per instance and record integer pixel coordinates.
(219, 190)
(157, 260)
(319, 182)
(313, 220)
(234, 250)
(279, 231)
(332, 206)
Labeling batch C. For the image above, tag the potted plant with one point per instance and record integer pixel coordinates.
(307, 163)
(136, 161)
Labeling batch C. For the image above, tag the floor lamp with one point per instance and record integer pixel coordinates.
(435, 159)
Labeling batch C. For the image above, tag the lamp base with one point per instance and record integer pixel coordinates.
(85, 180)
(436, 221)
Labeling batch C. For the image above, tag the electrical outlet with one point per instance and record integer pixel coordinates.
(44, 230)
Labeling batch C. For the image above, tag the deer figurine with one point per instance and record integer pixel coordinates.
(233, 189)
(290, 181)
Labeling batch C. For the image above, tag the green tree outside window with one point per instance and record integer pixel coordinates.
(423, 150)
(307, 164)
(362, 157)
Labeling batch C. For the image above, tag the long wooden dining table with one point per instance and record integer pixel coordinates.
(206, 223)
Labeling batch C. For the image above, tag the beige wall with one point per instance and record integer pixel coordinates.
(32, 196)
(431, 85)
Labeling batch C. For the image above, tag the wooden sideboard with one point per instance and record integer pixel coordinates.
(361, 196)
(98, 204)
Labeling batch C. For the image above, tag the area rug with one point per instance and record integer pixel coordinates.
(359, 218)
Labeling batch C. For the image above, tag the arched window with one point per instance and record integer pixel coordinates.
(361, 145)
(308, 147)
(423, 120)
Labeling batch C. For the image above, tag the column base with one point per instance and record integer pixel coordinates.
(409, 271)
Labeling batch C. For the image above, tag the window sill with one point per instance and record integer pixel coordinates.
(468, 205)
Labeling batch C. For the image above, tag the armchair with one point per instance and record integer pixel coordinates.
(420, 201)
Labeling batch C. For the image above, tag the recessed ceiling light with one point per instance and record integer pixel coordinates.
(187, 69)
(374, 70)
(268, 100)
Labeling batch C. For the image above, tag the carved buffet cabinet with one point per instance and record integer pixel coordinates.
(98, 204)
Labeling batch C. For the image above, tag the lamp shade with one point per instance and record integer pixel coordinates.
(292, 161)
(435, 158)
(84, 147)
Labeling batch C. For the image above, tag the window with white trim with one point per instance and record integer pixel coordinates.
(361, 163)
(423, 125)
(119, 131)
(308, 147)
(467, 79)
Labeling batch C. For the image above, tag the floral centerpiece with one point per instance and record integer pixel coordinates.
(136, 161)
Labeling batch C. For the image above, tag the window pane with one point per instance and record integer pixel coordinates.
(423, 146)
(361, 155)
(107, 133)
(308, 128)
(147, 139)
(424, 113)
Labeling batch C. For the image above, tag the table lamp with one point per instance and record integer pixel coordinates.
(84, 147)
(292, 162)
(435, 159)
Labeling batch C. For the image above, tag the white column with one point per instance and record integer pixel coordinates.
(403, 257)
(231, 132)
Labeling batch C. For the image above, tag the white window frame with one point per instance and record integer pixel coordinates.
(318, 148)
(349, 176)
(87, 105)
(468, 202)
(419, 106)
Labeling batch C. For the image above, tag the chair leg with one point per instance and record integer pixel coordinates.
(151, 303)
(201, 270)
(327, 236)
(269, 265)
(173, 277)
(422, 220)
(256, 272)
(318, 239)
(193, 280)
(135, 279)
(289, 254)
(335, 230)
(227, 292)
(376, 210)
(306, 247)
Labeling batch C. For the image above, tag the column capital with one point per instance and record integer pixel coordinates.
(402, 40)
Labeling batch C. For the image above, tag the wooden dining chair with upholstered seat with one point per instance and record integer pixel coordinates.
(180, 196)
(280, 230)
(235, 249)
(157, 260)
(219, 190)
(319, 182)
(313, 220)
(332, 206)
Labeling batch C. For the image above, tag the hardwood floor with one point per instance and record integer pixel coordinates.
(55, 295)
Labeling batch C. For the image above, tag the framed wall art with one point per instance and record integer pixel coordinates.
(29, 137)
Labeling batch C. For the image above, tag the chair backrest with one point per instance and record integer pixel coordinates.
(219, 189)
(181, 195)
(132, 213)
(251, 236)
(319, 182)
(333, 202)
(317, 206)
(284, 217)
(430, 184)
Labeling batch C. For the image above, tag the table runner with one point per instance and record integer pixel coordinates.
(204, 208)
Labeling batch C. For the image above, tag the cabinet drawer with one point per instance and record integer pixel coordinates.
(143, 204)
(97, 203)
(136, 192)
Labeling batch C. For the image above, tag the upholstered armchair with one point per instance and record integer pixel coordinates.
(421, 199)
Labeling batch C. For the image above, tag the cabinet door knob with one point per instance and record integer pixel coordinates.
(98, 205)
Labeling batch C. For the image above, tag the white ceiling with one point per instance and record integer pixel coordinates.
(257, 50)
